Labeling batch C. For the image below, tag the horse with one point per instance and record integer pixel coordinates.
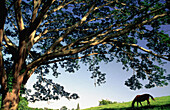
(141, 98)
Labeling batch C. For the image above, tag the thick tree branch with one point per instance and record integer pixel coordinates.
(74, 39)
(34, 65)
(12, 48)
(90, 43)
(27, 35)
(97, 41)
(72, 58)
(36, 4)
(119, 27)
(18, 15)
(46, 31)
(54, 10)
(38, 20)
(28, 75)
(70, 29)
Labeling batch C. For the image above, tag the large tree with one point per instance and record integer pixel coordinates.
(38, 36)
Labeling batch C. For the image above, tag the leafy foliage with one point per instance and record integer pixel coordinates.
(44, 91)
(23, 105)
(43, 35)
(63, 108)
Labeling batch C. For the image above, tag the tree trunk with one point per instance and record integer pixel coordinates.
(3, 77)
(10, 100)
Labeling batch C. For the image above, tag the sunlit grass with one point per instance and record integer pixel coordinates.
(160, 103)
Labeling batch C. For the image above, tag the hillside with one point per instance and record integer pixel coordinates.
(160, 103)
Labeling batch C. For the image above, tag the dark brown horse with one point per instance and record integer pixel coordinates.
(141, 98)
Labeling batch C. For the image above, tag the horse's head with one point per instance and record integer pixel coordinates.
(132, 106)
(133, 103)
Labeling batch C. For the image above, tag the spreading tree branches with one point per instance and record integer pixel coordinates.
(38, 36)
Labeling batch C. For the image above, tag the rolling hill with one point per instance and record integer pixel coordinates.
(160, 103)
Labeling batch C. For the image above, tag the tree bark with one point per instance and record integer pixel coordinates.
(11, 99)
(3, 77)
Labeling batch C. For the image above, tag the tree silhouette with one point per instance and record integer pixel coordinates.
(78, 107)
(37, 36)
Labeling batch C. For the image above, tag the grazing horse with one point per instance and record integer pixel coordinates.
(140, 98)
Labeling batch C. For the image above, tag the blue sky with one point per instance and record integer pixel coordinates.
(114, 88)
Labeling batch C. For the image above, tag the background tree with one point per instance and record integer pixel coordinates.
(63, 108)
(105, 102)
(78, 107)
(37, 36)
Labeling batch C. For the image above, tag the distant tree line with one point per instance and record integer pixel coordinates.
(106, 102)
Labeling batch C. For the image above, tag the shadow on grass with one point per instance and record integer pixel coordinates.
(162, 107)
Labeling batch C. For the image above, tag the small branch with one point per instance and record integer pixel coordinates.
(72, 58)
(11, 4)
(149, 51)
(12, 23)
(131, 58)
(143, 49)
(37, 38)
(59, 7)
(9, 43)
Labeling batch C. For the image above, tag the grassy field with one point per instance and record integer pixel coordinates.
(160, 103)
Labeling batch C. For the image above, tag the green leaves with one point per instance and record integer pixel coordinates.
(133, 83)
(50, 91)
(101, 31)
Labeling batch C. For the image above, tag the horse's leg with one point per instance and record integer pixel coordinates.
(148, 102)
(140, 103)
(137, 103)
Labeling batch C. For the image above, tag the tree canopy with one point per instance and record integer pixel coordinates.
(38, 36)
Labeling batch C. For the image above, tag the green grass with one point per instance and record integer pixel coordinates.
(160, 103)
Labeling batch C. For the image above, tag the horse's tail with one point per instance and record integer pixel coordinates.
(133, 103)
(151, 97)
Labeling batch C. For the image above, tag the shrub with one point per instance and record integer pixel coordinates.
(23, 104)
(105, 102)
